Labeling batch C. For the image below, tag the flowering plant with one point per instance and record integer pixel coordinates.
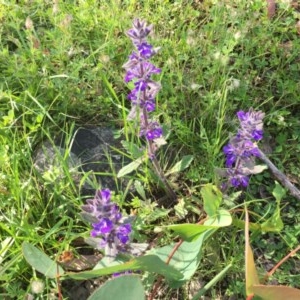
(242, 149)
(139, 70)
(107, 223)
(177, 262)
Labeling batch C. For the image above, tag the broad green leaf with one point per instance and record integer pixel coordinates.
(189, 232)
(278, 192)
(181, 165)
(125, 287)
(40, 261)
(133, 149)
(149, 263)
(186, 259)
(212, 198)
(130, 167)
(241, 224)
(230, 199)
(274, 223)
(251, 273)
(273, 292)
(140, 189)
(221, 219)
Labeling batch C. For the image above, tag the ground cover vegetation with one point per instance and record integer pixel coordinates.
(221, 94)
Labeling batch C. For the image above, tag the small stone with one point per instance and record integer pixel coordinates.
(92, 150)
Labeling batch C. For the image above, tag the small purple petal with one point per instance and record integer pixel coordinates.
(154, 133)
(230, 160)
(244, 181)
(257, 135)
(104, 226)
(150, 106)
(241, 115)
(106, 195)
(141, 85)
(145, 50)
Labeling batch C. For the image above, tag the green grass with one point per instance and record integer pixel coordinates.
(216, 59)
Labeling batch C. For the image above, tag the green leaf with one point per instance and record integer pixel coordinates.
(181, 165)
(212, 198)
(241, 224)
(229, 199)
(274, 223)
(125, 287)
(133, 149)
(221, 219)
(267, 292)
(186, 259)
(130, 167)
(189, 232)
(140, 189)
(278, 192)
(149, 263)
(40, 261)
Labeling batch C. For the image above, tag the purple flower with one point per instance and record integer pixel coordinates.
(146, 50)
(257, 134)
(123, 233)
(242, 148)
(251, 124)
(139, 70)
(154, 133)
(107, 222)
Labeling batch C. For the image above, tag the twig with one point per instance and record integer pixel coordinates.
(280, 176)
(172, 195)
(280, 263)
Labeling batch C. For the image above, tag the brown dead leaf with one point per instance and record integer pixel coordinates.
(271, 8)
(35, 43)
(79, 263)
(298, 27)
(295, 4)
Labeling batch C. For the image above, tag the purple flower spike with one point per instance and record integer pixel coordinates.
(140, 70)
(242, 149)
(108, 226)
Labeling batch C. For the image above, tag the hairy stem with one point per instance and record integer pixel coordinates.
(172, 195)
(158, 170)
